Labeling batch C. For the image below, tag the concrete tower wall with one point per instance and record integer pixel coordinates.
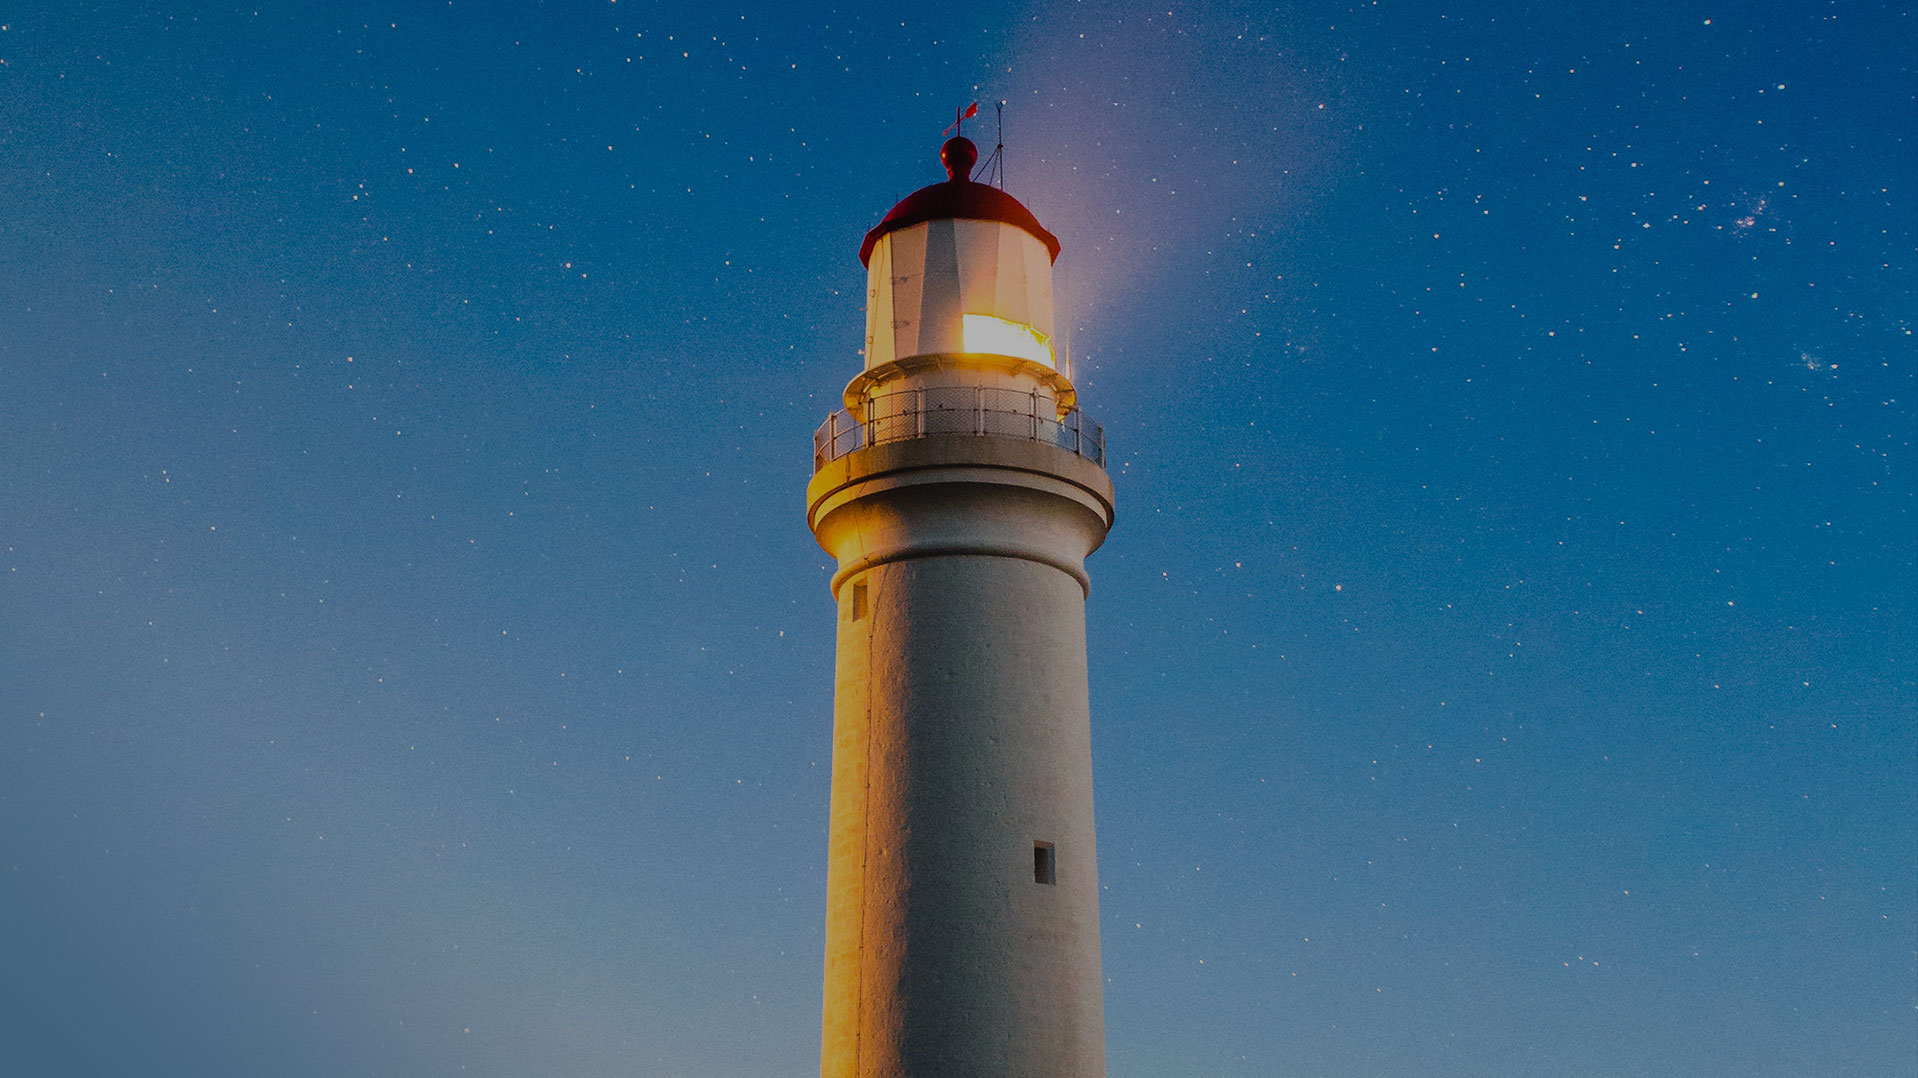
(961, 743)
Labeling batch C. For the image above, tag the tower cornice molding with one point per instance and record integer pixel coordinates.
(958, 495)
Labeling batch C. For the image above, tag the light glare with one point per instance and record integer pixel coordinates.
(998, 336)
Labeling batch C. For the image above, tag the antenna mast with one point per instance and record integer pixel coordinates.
(993, 171)
(999, 151)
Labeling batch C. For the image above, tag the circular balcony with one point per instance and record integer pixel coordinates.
(982, 411)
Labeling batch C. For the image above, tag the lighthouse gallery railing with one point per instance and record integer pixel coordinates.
(978, 410)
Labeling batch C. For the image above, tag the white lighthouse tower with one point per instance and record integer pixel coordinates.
(960, 492)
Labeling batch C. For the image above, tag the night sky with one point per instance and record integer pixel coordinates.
(414, 660)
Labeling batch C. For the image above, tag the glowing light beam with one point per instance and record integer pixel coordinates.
(1002, 337)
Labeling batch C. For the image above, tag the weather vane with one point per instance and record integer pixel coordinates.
(960, 116)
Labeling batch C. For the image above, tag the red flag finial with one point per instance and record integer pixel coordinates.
(960, 116)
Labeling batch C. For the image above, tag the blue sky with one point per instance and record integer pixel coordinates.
(413, 658)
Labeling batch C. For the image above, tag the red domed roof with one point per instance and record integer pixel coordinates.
(960, 198)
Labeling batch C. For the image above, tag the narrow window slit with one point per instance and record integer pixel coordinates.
(1044, 869)
(858, 601)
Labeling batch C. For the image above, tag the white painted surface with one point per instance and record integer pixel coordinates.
(961, 738)
(922, 279)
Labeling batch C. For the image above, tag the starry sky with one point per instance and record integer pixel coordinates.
(414, 660)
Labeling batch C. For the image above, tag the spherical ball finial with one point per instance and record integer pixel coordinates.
(958, 155)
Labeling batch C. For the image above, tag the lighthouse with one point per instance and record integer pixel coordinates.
(960, 491)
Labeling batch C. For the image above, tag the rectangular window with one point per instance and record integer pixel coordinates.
(1043, 868)
(858, 601)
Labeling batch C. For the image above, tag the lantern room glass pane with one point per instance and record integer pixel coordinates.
(990, 334)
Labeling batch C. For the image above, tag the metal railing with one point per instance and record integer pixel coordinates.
(976, 410)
